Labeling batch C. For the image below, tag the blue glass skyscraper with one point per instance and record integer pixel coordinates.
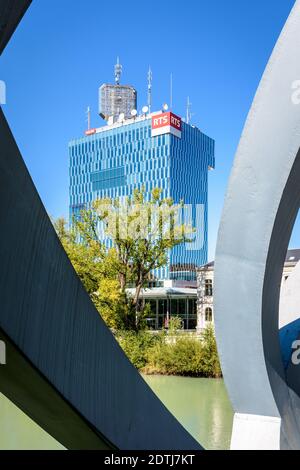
(157, 150)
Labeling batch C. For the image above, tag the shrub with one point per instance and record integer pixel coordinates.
(182, 357)
(175, 324)
(185, 356)
(137, 344)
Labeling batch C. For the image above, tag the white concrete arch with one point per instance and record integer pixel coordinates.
(261, 205)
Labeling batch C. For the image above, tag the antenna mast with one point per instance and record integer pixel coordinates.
(150, 76)
(188, 111)
(88, 112)
(118, 71)
(171, 91)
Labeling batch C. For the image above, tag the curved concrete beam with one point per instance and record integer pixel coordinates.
(11, 13)
(53, 327)
(261, 205)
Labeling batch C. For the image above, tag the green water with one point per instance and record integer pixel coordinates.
(201, 405)
(18, 432)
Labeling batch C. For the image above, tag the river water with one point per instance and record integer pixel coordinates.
(201, 405)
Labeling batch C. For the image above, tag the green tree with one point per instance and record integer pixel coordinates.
(87, 259)
(142, 232)
(210, 363)
(96, 268)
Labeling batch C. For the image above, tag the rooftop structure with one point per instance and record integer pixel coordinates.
(117, 100)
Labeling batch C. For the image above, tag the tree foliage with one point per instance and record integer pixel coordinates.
(142, 231)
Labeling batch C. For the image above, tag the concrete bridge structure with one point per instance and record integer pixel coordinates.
(64, 368)
(261, 206)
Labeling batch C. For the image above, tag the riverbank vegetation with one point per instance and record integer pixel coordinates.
(141, 232)
(172, 352)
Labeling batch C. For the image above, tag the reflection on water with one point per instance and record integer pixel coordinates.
(201, 405)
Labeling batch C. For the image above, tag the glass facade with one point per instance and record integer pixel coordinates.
(162, 308)
(117, 159)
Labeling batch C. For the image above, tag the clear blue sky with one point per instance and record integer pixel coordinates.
(65, 49)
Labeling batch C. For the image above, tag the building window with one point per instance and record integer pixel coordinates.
(193, 307)
(151, 319)
(208, 288)
(192, 314)
(208, 314)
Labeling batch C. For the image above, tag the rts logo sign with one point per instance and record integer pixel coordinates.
(166, 123)
(90, 132)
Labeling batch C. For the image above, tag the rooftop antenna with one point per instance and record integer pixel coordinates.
(188, 111)
(88, 112)
(150, 76)
(118, 71)
(171, 91)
